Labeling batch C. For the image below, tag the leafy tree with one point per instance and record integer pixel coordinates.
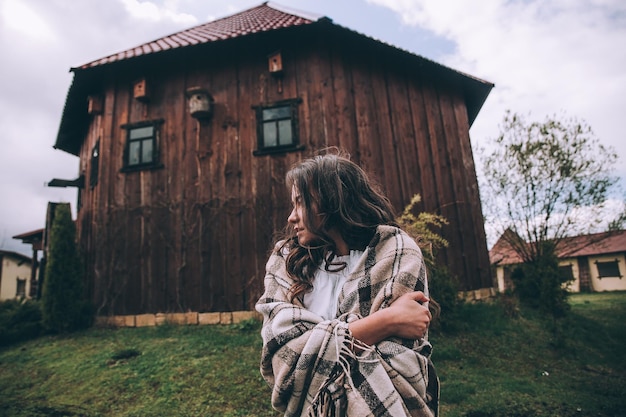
(63, 305)
(544, 181)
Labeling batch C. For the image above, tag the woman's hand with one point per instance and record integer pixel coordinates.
(407, 317)
(411, 316)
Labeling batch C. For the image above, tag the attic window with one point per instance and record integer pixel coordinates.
(608, 269)
(277, 127)
(142, 145)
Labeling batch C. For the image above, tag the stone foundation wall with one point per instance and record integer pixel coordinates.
(146, 320)
(483, 294)
(232, 317)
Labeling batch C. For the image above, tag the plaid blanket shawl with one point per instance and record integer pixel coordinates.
(316, 368)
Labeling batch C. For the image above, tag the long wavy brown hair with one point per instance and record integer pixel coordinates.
(341, 194)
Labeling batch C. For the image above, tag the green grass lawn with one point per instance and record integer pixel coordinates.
(489, 365)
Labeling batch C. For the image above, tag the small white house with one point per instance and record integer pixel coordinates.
(15, 272)
(596, 262)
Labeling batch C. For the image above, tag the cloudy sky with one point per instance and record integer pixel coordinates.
(545, 58)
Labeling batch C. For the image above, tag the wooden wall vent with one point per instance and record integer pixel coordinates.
(140, 90)
(95, 104)
(275, 62)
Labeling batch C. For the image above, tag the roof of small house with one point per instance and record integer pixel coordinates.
(15, 255)
(263, 18)
(571, 247)
(30, 237)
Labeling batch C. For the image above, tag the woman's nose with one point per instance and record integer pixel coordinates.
(293, 216)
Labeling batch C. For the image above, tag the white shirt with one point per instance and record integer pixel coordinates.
(323, 299)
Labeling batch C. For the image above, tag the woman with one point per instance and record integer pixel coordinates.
(345, 305)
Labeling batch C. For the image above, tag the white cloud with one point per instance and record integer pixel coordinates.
(150, 11)
(19, 17)
(544, 57)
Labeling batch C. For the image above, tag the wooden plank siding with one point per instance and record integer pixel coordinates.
(194, 235)
(473, 229)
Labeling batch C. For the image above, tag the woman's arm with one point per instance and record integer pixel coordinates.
(406, 318)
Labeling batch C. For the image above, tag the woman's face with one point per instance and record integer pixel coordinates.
(297, 219)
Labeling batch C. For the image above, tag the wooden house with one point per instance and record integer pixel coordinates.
(184, 143)
(594, 262)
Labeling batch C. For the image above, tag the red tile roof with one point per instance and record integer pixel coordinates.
(595, 244)
(262, 18)
(502, 252)
(585, 245)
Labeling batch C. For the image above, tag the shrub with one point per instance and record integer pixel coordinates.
(19, 320)
(443, 287)
(420, 227)
(63, 306)
(540, 284)
(445, 290)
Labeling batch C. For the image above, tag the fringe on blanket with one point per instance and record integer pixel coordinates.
(332, 398)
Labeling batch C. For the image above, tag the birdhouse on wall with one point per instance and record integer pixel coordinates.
(275, 62)
(140, 90)
(95, 104)
(200, 103)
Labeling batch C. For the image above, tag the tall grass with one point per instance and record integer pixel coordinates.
(489, 364)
